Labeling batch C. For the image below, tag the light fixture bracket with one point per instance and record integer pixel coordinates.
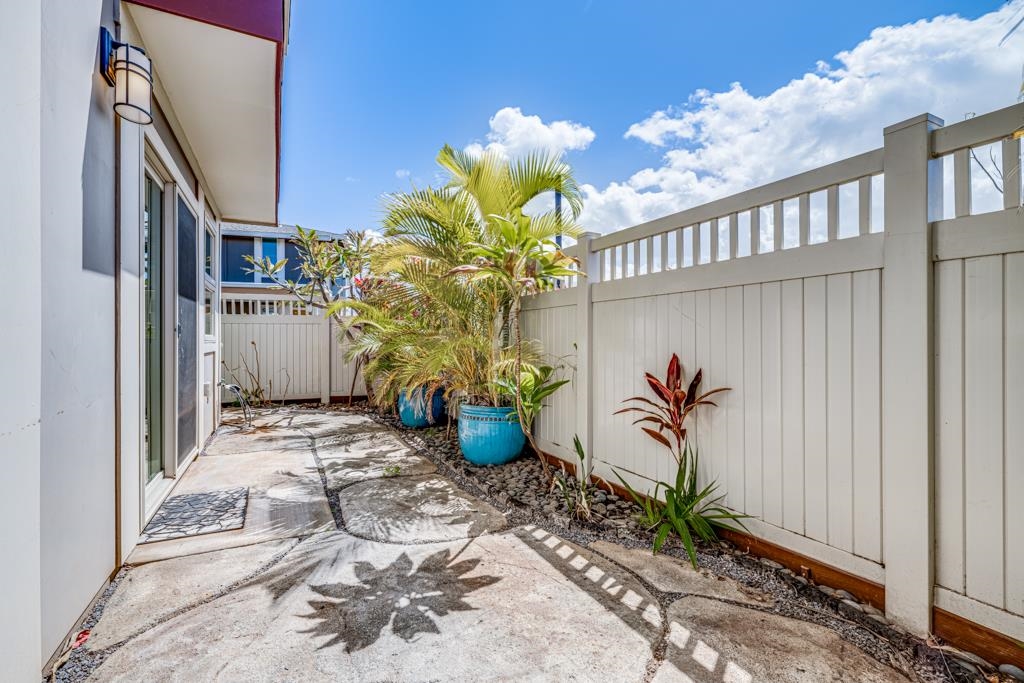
(107, 47)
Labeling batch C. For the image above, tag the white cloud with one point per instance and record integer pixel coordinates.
(513, 133)
(719, 143)
(402, 173)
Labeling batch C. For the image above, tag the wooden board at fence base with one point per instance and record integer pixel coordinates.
(819, 572)
(967, 635)
(959, 632)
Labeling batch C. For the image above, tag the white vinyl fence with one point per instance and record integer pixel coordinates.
(300, 355)
(869, 318)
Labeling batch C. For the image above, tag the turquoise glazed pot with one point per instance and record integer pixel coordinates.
(414, 411)
(489, 436)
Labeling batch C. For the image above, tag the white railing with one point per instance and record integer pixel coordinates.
(296, 347)
(817, 299)
(777, 216)
(266, 305)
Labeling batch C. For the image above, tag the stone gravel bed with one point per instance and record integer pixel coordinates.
(520, 490)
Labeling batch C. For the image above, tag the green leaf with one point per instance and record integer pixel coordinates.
(659, 538)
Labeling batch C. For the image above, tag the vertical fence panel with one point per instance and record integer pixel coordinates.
(1013, 448)
(734, 400)
(839, 384)
(815, 416)
(949, 421)
(867, 415)
(711, 308)
(680, 336)
(555, 329)
(771, 402)
(792, 357)
(983, 426)
(697, 327)
(752, 435)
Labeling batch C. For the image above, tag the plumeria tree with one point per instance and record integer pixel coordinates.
(330, 272)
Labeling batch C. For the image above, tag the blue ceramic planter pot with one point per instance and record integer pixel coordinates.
(415, 411)
(489, 436)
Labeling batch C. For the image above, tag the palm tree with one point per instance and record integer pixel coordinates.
(521, 261)
(460, 259)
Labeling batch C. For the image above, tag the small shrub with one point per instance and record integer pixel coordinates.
(574, 490)
(687, 511)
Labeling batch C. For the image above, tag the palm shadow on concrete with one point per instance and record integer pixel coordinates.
(415, 509)
(408, 600)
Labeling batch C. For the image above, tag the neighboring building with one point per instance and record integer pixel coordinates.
(109, 360)
(239, 240)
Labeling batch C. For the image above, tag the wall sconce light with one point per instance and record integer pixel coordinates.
(128, 69)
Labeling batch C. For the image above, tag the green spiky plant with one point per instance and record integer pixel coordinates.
(574, 489)
(680, 506)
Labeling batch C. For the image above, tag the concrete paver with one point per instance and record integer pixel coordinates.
(672, 575)
(152, 592)
(712, 641)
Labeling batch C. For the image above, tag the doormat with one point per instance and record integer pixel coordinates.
(193, 514)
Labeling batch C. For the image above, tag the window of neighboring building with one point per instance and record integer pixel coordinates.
(294, 267)
(233, 265)
(269, 252)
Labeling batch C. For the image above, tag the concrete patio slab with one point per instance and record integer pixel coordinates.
(339, 608)
(415, 510)
(310, 422)
(711, 641)
(153, 592)
(676, 576)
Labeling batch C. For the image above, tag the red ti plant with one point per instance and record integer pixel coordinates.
(674, 404)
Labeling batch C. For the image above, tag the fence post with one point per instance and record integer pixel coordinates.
(584, 347)
(326, 357)
(913, 197)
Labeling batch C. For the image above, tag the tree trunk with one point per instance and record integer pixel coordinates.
(355, 375)
(359, 362)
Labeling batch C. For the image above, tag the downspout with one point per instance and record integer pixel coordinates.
(117, 320)
(117, 342)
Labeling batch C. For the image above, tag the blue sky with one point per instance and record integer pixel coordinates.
(373, 89)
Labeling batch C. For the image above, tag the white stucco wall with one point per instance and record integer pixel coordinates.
(20, 345)
(58, 437)
(77, 307)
